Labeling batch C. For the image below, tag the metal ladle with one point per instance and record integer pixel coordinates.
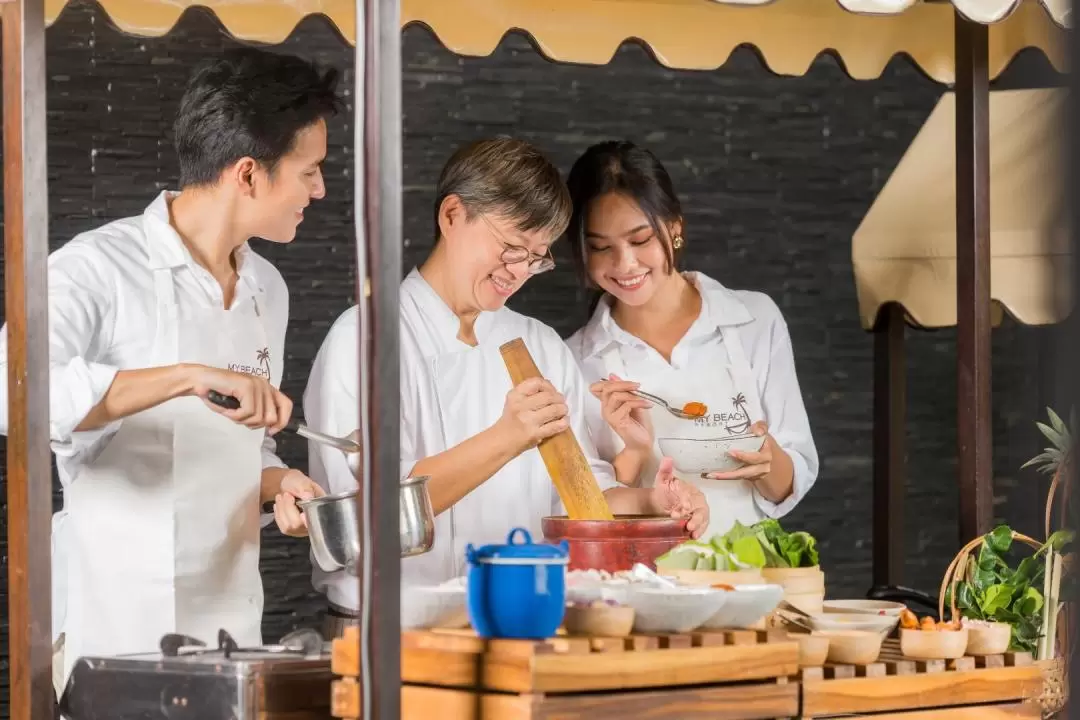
(345, 445)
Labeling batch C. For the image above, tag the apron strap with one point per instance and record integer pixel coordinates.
(742, 375)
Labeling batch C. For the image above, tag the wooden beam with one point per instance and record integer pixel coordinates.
(973, 432)
(890, 446)
(29, 469)
(378, 195)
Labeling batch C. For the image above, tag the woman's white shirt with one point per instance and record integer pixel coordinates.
(766, 346)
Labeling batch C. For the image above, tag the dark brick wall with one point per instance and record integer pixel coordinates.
(775, 173)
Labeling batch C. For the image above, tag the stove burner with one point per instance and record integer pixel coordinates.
(302, 642)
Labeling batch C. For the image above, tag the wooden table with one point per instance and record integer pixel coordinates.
(736, 675)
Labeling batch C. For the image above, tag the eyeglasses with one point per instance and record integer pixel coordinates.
(514, 254)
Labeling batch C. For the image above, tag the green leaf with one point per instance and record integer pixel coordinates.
(1030, 603)
(748, 550)
(1058, 540)
(1056, 422)
(1052, 435)
(999, 539)
(995, 598)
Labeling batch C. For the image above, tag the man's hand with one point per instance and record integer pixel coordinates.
(671, 496)
(261, 404)
(295, 485)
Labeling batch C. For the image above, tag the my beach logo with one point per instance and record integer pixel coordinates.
(260, 369)
(736, 422)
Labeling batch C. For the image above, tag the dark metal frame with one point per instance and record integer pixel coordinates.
(379, 193)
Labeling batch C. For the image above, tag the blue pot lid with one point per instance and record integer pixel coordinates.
(527, 550)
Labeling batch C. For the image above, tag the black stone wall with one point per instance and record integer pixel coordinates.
(775, 174)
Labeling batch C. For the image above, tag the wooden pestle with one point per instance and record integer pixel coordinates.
(565, 462)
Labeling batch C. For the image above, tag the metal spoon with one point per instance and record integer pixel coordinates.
(663, 403)
(345, 445)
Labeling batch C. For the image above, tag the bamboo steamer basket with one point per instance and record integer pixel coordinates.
(803, 587)
(1055, 672)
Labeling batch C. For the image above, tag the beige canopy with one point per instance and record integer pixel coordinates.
(905, 249)
(687, 34)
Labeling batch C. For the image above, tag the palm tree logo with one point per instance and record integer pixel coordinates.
(739, 403)
(263, 357)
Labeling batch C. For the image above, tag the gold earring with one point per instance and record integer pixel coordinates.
(677, 242)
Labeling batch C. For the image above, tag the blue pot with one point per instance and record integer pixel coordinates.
(517, 590)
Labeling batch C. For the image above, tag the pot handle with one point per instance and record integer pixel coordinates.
(268, 507)
(513, 534)
(470, 554)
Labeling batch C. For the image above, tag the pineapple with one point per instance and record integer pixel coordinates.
(1054, 459)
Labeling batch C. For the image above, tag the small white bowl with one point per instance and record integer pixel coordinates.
(703, 456)
(866, 607)
(745, 605)
(433, 607)
(673, 610)
(840, 622)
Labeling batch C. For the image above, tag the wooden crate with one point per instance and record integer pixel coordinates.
(458, 676)
(896, 684)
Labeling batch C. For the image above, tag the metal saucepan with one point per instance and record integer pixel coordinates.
(335, 532)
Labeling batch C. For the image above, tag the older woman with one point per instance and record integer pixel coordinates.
(499, 206)
(683, 337)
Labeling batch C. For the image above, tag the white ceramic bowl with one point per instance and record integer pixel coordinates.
(865, 607)
(670, 610)
(839, 622)
(433, 606)
(702, 456)
(745, 605)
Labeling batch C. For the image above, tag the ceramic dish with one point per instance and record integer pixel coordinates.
(600, 620)
(934, 644)
(672, 610)
(745, 605)
(853, 647)
(702, 456)
(991, 638)
(835, 622)
(813, 648)
(440, 606)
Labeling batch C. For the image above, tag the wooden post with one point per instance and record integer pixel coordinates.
(379, 241)
(974, 433)
(29, 470)
(890, 446)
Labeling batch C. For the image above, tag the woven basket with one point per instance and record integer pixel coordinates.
(1055, 692)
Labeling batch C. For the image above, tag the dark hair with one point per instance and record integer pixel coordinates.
(619, 166)
(509, 177)
(248, 103)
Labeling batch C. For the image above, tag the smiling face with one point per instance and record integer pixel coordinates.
(478, 248)
(274, 202)
(624, 255)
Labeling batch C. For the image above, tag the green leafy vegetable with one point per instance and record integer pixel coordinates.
(762, 545)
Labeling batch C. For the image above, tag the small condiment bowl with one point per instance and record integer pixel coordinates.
(988, 639)
(672, 610)
(842, 622)
(865, 607)
(934, 644)
(853, 647)
(599, 619)
(813, 648)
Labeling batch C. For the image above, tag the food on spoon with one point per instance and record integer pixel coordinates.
(695, 409)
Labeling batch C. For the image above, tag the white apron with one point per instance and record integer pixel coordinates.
(730, 394)
(160, 533)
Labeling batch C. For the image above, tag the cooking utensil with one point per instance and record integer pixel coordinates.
(565, 462)
(345, 445)
(677, 412)
(334, 529)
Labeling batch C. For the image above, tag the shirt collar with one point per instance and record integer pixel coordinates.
(444, 318)
(165, 248)
(720, 308)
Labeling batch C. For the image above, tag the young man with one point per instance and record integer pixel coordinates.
(148, 315)
(499, 205)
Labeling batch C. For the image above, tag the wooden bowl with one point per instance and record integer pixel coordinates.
(934, 644)
(599, 620)
(992, 639)
(813, 649)
(853, 647)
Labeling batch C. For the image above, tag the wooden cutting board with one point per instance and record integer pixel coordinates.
(565, 462)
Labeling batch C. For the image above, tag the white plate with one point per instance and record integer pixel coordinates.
(433, 606)
(711, 455)
(745, 605)
(867, 607)
(827, 622)
(671, 610)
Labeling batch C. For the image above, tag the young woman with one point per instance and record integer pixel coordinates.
(683, 337)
